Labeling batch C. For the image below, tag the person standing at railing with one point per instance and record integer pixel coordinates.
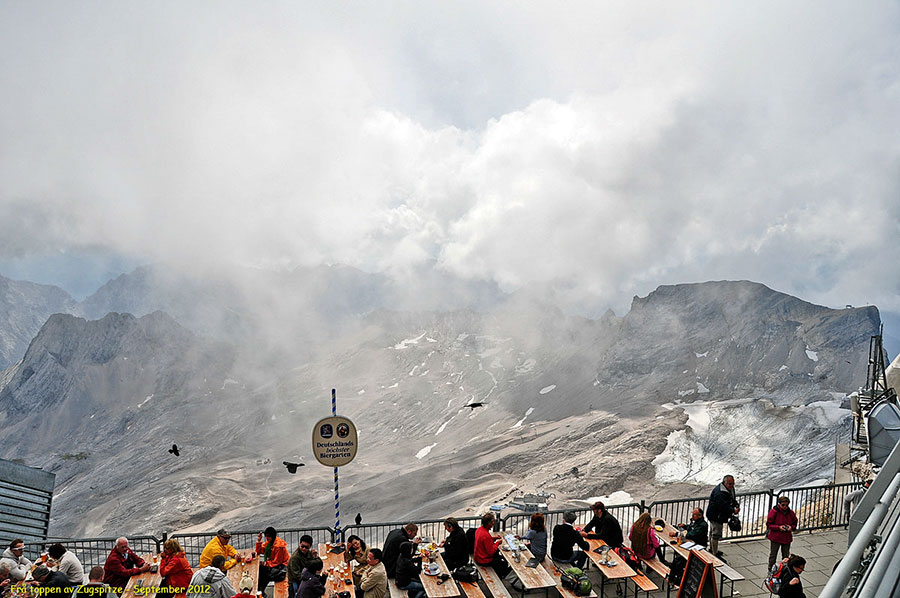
(273, 558)
(722, 505)
(781, 523)
(853, 498)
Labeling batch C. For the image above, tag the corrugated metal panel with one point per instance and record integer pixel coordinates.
(26, 495)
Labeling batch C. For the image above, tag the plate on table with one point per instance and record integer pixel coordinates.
(432, 569)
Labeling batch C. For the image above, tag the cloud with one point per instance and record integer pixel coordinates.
(604, 149)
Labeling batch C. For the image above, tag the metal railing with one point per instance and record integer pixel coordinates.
(817, 507)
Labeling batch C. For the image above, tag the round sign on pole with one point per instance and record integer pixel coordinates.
(334, 441)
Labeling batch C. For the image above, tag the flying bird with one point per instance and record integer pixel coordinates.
(292, 467)
(358, 518)
(472, 406)
(174, 450)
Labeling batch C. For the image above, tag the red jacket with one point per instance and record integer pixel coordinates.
(485, 546)
(776, 519)
(176, 572)
(279, 556)
(118, 569)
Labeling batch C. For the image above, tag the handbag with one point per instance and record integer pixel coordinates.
(278, 573)
(734, 524)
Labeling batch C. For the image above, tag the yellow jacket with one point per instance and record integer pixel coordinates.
(214, 548)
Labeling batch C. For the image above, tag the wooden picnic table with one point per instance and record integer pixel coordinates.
(619, 570)
(237, 572)
(532, 578)
(337, 569)
(672, 543)
(434, 587)
(148, 581)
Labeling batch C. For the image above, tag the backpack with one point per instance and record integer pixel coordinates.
(772, 582)
(466, 573)
(574, 580)
(676, 570)
(629, 558)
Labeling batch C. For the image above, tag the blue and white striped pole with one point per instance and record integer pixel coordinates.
(337, 499)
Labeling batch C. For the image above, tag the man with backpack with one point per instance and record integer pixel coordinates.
(784, 578)
(722, 506)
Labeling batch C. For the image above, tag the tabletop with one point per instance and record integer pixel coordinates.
(145, 584)
(340, 573)
(236, 573)
(434, 588)
(665, 538)
(619, 569)
(532, 578)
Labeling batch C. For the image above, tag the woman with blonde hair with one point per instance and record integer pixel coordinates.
(175, 569)
(643, 538)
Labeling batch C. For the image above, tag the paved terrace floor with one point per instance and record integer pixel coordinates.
(749, 557)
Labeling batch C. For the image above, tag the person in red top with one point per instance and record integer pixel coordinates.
(487, 549)
(781, 522)
(121, 564)
(175, 569)
(273, 553)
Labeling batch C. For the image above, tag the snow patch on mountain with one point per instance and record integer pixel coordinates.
(813, 355)
(547, 389)
(405, 343)
(762, 444)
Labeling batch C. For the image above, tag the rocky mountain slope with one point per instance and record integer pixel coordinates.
(574, 406)
(24, 307)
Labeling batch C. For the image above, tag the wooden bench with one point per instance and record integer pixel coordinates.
(493, 582)
(394, 591)
(565, 592)
(471, 589)
(660, 569)
(643, 583)
(731, 575)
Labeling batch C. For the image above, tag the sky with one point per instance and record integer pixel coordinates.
(600, 149)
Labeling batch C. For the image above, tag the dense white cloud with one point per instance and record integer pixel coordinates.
(605, 148)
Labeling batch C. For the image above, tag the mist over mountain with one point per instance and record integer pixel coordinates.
(240, 371)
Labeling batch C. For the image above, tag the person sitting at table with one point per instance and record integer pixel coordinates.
(407, 573)
(94, 588)
(604, 526)
(46, 578)
(67, 563)
(5, 581)
(213, 579)
(643, 538)
(487, 548)
(14, 556)
(356, 550)
(371, 579)
(537, 536)
(303, 557)
(697, 531)
(121, 565)
(312, 581)
(216, 546)
(565, 537)
(391, 548)
(456, 547)
(175, 569)
(273, 556)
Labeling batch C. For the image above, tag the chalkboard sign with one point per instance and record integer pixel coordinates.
(699, 580)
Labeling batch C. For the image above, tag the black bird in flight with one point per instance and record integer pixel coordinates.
(292, 467)
(174, 450)
(472, 406)
(358, 518)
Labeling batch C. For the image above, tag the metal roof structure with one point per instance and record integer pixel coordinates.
(26, 494)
